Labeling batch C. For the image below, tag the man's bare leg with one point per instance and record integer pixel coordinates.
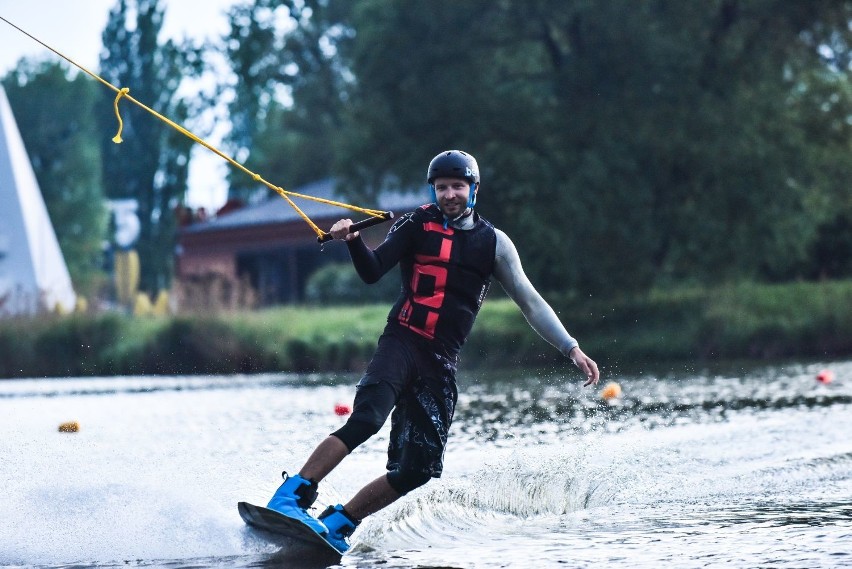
(369, 500)
(328, 454)
(372, 498)
(298, 492)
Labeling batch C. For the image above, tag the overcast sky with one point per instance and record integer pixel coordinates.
(73, 28)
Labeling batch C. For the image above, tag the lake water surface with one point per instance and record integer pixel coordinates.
(745, 467)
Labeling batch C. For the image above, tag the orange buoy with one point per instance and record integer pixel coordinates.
(610, 391)
(69, 427)
(825, 376)
(341, 409)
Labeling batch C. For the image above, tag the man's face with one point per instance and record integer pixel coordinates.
(452, 194)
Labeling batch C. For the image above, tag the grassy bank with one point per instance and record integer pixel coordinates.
(744, 321)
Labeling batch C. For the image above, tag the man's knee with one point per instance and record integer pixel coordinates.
(353, 433)
(373, 404)
(405, 481)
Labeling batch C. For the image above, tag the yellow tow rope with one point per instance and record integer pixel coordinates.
(125, 93)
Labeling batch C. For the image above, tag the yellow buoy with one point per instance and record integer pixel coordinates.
(610, 391)
(69, 427)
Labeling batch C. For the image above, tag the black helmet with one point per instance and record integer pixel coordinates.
(453, 164)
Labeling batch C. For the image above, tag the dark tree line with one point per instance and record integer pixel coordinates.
(624, 144)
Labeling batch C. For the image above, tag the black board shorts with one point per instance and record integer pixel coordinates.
(425, 396)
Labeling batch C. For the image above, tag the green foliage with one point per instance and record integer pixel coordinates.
(287, 101)
(623, 144)
(54, 109)
(286, 339)
(338, 283)
(832, 249)
(76, 345)
(151, 165)
(799, 320)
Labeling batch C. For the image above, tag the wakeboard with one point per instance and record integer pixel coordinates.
(278, 524)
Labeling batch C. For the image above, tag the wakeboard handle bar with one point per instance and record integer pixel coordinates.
(363, 224)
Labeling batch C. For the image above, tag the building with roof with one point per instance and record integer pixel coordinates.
(269, 246)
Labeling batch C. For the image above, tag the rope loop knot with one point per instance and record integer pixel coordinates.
(121, 93)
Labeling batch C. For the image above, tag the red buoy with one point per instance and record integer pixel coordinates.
(825, 376)
(341, 410)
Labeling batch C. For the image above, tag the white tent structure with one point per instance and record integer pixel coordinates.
(33, 274)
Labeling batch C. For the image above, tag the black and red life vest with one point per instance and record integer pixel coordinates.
(445, 276)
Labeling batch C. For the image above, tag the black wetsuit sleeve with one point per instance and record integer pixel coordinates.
(367, 263)
(372, 264)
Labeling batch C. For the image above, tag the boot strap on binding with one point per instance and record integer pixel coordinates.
(345, 530)
(307, 493)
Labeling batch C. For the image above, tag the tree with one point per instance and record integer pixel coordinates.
(54, 109)
(290, 86)
(151, 165)
(626, 143)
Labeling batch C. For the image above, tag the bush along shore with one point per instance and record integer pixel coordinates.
(799, 320)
